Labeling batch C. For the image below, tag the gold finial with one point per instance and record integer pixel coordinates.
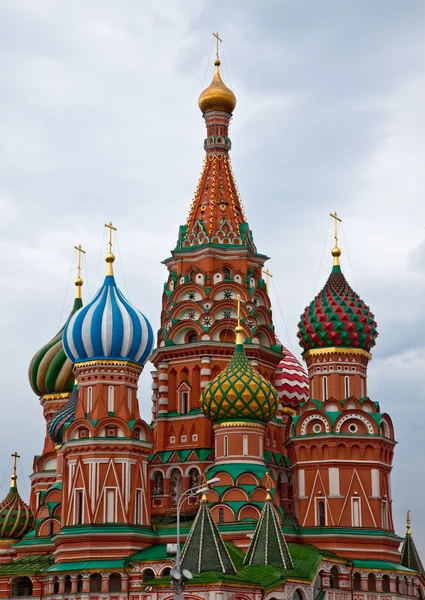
(239, 328)
(79, 281)
(14, 477)
(269, 485)
(336, 252)
(217, 39)
(268, 275)
(110, 256)
(408, 522)
(204, 483)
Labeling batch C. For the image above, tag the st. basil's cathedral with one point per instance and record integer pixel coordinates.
(256, 478)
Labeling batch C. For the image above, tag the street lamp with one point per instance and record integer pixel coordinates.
(178, 576)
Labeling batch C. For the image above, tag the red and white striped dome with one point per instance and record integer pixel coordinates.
(291, 381)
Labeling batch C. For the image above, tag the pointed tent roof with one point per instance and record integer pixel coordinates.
(268, 545)
(409, 555)
(204, 549)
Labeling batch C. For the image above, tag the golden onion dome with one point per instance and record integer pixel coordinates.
(217, 96)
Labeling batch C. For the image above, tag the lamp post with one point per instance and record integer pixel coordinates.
(178, 577)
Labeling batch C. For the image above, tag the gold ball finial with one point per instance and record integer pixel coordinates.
(79, 282)
(336, 252)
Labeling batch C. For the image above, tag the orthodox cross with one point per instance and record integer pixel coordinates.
(336, 219)
(217, 39)
(80, 251)
(268, 275)
(15, 457)
(111, 228)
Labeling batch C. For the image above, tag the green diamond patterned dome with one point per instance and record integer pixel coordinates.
(239, 392)
(16, 517)
(50, 371)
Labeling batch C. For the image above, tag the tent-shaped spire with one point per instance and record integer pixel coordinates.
(409, 555)
(204, 549)
(268, 546)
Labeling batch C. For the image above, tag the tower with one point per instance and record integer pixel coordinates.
(214, 261)
(104, 450)
(341, 444)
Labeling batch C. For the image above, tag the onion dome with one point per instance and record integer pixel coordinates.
(239, 391)
(291, 381)
(62, 418)
(217, 96)
(337, 317)
(50, 370)
(108, 327)
(16, 517)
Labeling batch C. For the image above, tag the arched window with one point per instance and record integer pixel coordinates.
(245, 445)
(226, 446)
(67, 586)
(297, 595)
(148, 575)
(165, 572)
(79, 583)
(184, 403)
(325, 387)
(95, 582)
(334, 578)
(130, 399)
(347, 386)
(111, 398)
(191, 275)
(22, 586)
(78, 507)
(56, 585)
(384, 511)
(175, 486)
(192, 338)
(227, 275)
(221, 515)
(321, 515)
(357, 582)
(158, 483)
(138, 507)
(89, 399)
(371, 583)
(386, 587)
(115, 582)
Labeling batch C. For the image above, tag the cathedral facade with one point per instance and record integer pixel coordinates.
(257, 478)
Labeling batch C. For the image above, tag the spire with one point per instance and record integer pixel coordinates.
(336, 251)
(239, 328)
(409, 554)
(204, 549)
(14, 477)
(268, 545)
(79, 282)
(110, 257)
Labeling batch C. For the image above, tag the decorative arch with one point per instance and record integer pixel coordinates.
(354, 416)
(311, 417)
(249, 511)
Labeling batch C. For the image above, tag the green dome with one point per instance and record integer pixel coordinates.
(16, 517)
(239, 392)
(50, 371)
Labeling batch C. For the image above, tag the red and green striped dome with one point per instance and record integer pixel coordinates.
(50, 371)
(337, 317)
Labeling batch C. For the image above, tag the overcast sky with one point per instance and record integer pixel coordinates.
(99, 121)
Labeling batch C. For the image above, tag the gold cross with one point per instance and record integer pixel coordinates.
(111, 228)
(15, 457)
(336, 219)
(217, 39)
(268, 275)
(408, 521)
(80, 251)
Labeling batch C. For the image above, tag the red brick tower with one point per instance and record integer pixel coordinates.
(214, 261)
(340, 444)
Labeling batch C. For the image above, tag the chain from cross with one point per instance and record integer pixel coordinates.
(80, 251)
(15, 457)
(336, 219)
(111, 229)
(268, 275)
(217, 39)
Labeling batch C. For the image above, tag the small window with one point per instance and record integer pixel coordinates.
(110, 506)
(321, 515)
(334, 578)
(67, 586)
(192, 338)
(195, 437)
(78, 507)
(172, 439)
(356, 515)
(138, 505)
(79, 583)
(184, 403)
(111, 398)
(115, 582)
(56, 585)
(89, 399)
(130, 399)
(371, 583)
(95, 582)
(325, 388)
(347, 386)
(221, 515)
(148, 575)
(227, 274)
(386, 584)
(384, 514)
(226, 446)
(357, 582)
(245, 445)
(183, 438)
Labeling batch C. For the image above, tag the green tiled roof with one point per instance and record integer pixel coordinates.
(28, 565)
(409, 555)
(380, 564)
(89, 565)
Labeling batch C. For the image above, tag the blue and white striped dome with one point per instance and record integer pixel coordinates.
(108, 328)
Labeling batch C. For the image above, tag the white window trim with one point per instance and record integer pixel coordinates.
(105, 504)
(359, 501)
(89, 399)
(111, 399)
